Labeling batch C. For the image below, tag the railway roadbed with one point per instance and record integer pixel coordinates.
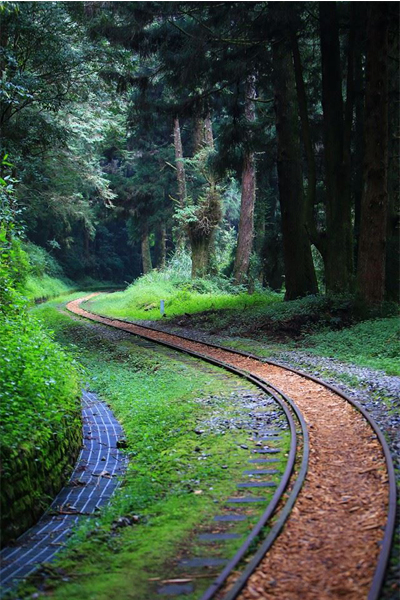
(337, 538)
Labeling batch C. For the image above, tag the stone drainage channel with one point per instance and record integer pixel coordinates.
(95, 478)
(337, 540)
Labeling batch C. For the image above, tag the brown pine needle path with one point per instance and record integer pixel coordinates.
(334, 538)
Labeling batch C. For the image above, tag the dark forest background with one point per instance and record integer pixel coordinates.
(260, 138)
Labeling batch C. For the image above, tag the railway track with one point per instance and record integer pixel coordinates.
(336, 498)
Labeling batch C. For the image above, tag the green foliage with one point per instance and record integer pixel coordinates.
(160, 400)
(38, 386)
(41, 262)
(181, 294)
(374, 343)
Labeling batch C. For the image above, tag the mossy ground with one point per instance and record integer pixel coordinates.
(176, 478)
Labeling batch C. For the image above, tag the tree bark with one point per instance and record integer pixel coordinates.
(180, 167)
(299, 269)
(339, 239)
(201, 251)
(248, 197)
(198, 135)
(181, 179)
(145, 246)
(392, 285)
(371, 256)
(315, 237)
(359, 90)
(208, 211)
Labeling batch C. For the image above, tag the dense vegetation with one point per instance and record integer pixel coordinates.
(175, 475)
(243, 134)
(39, 406)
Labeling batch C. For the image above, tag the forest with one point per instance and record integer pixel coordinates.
(221, 180)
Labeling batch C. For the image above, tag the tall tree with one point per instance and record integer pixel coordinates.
(248, 197)
(373, 227)
(300, 278)
(339, 239)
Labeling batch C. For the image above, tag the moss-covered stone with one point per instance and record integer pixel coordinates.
(34, 476)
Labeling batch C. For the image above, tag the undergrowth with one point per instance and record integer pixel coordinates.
(374, 343)
(141, 300)
(38, 383)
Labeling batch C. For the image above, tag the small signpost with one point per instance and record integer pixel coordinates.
(162, 307)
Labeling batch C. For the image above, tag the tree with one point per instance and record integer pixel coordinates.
(373, 227)
(300, 278)
(339, 238)
(248, 198)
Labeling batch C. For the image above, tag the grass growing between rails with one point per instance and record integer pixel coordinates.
(176, 476)
(141, 300)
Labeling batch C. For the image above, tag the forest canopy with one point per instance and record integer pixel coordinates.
(259, 138)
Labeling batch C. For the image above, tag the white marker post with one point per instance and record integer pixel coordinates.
(162, 307)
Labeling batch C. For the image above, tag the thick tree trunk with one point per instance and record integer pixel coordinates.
(208, 212)
(246, 221)
(146, 256)
(273, 268)
(299, 269)
(201, 252)
(339, 239)
(393, 230)
(315, 237)
(358, 138)
(371, 256)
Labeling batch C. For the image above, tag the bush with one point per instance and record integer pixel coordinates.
(41, 262)
(39, 405)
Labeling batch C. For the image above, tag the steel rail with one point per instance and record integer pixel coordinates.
(384, 554)
(285, 402)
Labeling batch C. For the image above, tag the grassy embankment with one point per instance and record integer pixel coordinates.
(175, 475)
(39, 402)
(326, 326)
(45, 278)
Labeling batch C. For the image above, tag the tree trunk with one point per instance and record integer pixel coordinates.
(359, 90)
(339, 239)
(198, 135)
(315, 237)
(272, 255)
(299, 269)
(393, 229)
(208, 211)
(201, 251)
(181, 179)
(208, 132)
(145, 246)
(246, 221)
(371, 256)
(180, 167)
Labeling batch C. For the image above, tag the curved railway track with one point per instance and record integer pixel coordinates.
(340, 501)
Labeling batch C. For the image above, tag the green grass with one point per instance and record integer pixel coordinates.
(141, 300)
(38, 287)
(374, 344)
(175, 476)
